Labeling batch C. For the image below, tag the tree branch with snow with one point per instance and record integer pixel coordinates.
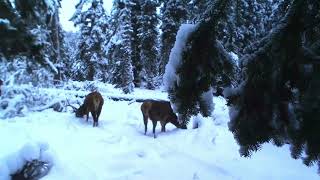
(196, 62)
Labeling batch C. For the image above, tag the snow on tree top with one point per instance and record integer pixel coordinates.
(175, 58)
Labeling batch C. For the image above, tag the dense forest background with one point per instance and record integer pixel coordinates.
(263, 56)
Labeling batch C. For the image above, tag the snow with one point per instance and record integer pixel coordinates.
(174, 62)
(14, 161)
(52, 66)
(7, 23)
(235, 58)
(51, 4)
(207, 97)
(118, 148)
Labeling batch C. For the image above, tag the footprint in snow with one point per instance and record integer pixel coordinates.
(195, 176)
(111, 140)
(141, 154)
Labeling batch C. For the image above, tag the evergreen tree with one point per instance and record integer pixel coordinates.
(56, 36)
(278, 100)
(120, 46)
(70, 44)
(203, 62)
(173, 14)
(247, 22)
(280, 9)
(42, 18)
(148, 34)
(26, 29)
(196, 9)
(91, 50)
(137, 63)
(227, 30)
(15, 38)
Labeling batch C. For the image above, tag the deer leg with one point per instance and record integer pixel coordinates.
(99, 111)
(97, 120)
(94, 116)
(154, 128)
(145, 120)
(98, 114)
(87, 116)
(163, 126)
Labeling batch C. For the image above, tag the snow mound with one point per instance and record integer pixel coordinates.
(14, 162)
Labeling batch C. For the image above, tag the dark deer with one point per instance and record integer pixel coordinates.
(159, 111)
(92, 103)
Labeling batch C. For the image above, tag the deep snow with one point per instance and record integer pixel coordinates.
(118, 148)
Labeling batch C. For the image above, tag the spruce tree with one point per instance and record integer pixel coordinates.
(280, 10)
(137, 63)
(278, 99)
(29, 30)
(120, 46)
(196, 9)
(173, 14)
(70, 44)
(203, 62)
(247, 21)
(56, 38)
(91, 54)
(15, 37)
(148, 34)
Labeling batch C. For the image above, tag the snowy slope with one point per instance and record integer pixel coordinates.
(118, 149)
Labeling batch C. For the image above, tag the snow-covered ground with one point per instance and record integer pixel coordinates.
(118, 148)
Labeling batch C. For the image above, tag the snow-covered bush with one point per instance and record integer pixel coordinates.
(89, 86)
(23, 71)
(81, 86)
(16, 100)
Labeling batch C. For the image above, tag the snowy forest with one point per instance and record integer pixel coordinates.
(244, 71)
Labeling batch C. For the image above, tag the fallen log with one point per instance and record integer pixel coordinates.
(132, 100)
(60, 105)
(56, 105)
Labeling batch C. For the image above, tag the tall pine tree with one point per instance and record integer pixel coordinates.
(91, 57)
(120, 46)
(173, 14)
(148, 34)
(137, 63)
(247, 22)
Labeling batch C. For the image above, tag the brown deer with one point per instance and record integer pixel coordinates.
(159, 111)
(92, 103)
